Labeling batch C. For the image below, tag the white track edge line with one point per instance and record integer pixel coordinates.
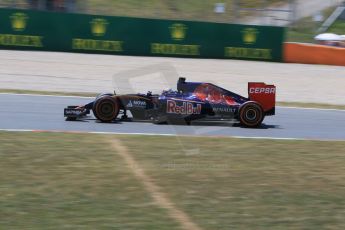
(170, 135)
(43, 95)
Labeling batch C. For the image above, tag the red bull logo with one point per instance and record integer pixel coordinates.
(187, 108)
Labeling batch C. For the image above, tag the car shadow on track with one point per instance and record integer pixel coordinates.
(262, 126)
(224, 124)
(193, 124)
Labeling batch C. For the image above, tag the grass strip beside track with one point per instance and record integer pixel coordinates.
(164, 9)
(82, 94)
(81, 181)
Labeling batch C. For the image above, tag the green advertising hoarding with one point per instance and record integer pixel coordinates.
(34, 30)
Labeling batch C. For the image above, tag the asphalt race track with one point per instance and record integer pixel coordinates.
(32, 112)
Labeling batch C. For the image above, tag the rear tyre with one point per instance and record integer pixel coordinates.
(106, 108)
(251, 114)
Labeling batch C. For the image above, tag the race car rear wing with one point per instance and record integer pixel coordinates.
(264, 94)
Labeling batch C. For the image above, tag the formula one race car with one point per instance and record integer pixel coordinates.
(192, 101)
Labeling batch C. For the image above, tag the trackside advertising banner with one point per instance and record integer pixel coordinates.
(34, 30)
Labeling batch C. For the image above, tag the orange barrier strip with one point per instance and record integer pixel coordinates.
(314, 54)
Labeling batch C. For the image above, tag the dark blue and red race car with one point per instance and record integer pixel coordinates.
(191, 101)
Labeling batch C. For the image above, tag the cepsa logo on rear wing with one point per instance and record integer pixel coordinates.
(258, 90)
(187, 108)
(263, 94)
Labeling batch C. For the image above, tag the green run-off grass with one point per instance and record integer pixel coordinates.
(77, 181)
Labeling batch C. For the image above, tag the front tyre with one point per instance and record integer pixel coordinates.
(103, 94)
(251, 114)
(106, 108)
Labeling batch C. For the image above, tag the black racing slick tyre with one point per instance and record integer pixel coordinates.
(106, 108)
(251, 114)
(103, 94)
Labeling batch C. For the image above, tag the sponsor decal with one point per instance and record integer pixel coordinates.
(223, 109)
(178, 33)
(130, 104)
(99, 26)
(73, 112)
(262, 90)
(139, 103)
(249, 36)
(136, 103)
(98, 29)
(19, 23)
(250, 53)
(98, 45)
(187, 108)
(20, 40)
(175, 49)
